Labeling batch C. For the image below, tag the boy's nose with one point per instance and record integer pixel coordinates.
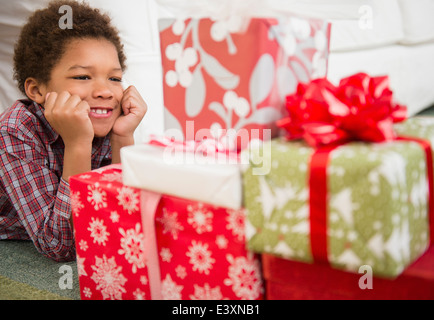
(101, 90)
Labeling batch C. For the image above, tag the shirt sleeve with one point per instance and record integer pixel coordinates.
(39, 195)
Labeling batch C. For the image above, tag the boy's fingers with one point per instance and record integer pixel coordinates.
(56, 101)
(63, 100)
(126, 105)
(50, 97)
(83, 105)
(73, 101)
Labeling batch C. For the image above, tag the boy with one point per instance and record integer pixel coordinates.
(76, 119)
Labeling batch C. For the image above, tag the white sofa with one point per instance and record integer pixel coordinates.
(380, 37)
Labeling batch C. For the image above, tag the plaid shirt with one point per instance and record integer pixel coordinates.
(34, 199)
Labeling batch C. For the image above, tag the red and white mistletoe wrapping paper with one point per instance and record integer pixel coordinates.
(201, 247)
(229, 76)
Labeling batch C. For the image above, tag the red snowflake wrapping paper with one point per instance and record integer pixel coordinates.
(200, 248)
(227, 78)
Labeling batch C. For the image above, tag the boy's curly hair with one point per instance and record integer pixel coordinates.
(42, 42)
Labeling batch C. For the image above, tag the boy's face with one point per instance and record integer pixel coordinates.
(90, 68)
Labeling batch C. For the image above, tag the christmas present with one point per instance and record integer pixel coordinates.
(356, 191)
(292, 280)
(226, 75)
(135, 244)
(200, 171)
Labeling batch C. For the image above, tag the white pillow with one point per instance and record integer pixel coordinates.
(418, 20)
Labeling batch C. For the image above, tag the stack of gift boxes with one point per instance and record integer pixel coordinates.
(225, 207)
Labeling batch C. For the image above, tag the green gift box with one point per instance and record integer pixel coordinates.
(377, 208)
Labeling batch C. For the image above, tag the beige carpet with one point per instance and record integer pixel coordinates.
(26, 274)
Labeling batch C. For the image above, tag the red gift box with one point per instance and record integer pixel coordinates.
(288, 280)
(229, 81)
(184, 250)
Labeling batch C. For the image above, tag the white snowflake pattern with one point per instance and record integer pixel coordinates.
(129, 199)
(165, 254)
(200, 218)
(139, 294)
(221, 242)
(112, 176)
(80, 266)
(87, 292)
(200, 257)
(101, 171)
(97, 197)
(108, 278)
(236, 223)
(206, 293)
(133, 247)
(98, 231)
(114, 216)
(170, 290)
(244, 277)
(83, 245)
(170, 223)
(76, 203)
(180, 271)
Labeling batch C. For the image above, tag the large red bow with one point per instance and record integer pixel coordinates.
(360, 108)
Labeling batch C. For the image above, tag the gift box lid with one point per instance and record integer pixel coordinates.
(191, 175)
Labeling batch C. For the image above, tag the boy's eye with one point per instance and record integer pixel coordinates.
(81, 77)
(115, 79)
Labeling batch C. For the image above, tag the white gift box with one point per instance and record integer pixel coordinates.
(213, 179)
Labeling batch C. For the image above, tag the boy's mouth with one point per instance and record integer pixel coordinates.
(100, 112)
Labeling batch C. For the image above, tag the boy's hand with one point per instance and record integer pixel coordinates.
(69, 116)
(134, 109)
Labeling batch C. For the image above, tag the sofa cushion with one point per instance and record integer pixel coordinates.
(418, 21)
(356, 24)
(376, 23)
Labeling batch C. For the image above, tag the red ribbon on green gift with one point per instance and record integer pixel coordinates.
(360, 108)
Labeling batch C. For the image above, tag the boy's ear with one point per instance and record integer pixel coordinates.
(35, 90)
